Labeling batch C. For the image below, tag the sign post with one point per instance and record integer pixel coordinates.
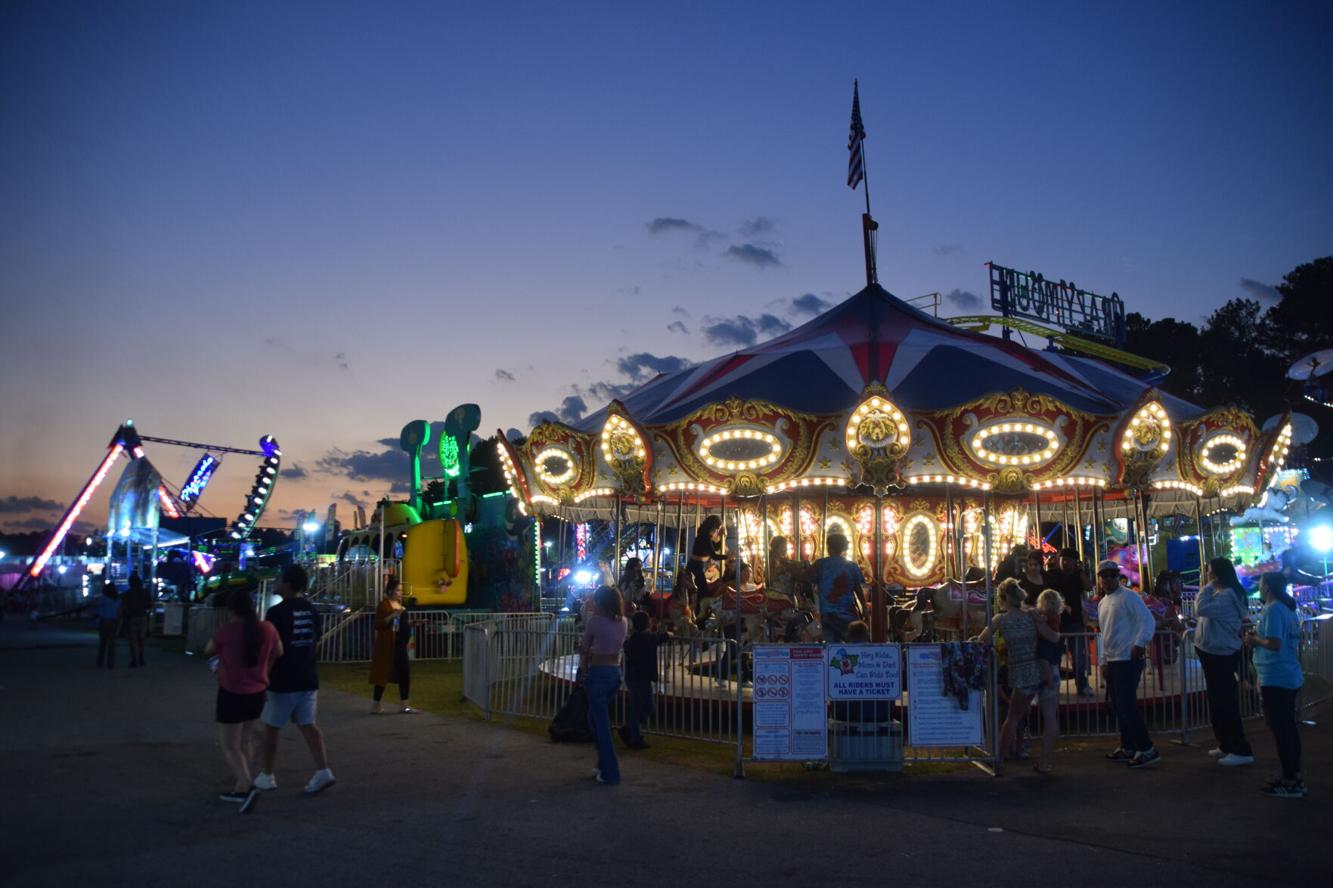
(1059, 303)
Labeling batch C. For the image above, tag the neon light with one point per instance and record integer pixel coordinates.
(198, 480)
(259, 494)
(167, 505)
(72, 515)
(203, 562)
(449, 456)
(581, 540)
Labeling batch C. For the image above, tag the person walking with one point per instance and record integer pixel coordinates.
(1071, 580)
(108, 625)
(599, 664)
(1277, 644)
(839, 582)
(1222, 609)
(1126, 629)
(245, 647)
(389, 663)
(293, 687)
(137, 605)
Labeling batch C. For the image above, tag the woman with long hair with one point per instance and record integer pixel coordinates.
(389, 663)
(633, 585)
(1223, 609)
(245, 648)
(1277, 643)
(599, 664)
(1019, 630)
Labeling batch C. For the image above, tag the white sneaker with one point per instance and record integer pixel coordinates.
(321, 781)
(1215, 752)
(1231, 760)
(266, 782)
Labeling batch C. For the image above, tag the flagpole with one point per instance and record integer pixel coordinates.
(868, 224)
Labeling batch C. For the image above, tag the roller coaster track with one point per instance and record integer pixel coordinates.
(980, 323)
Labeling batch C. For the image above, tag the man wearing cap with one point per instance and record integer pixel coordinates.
(1126, 629)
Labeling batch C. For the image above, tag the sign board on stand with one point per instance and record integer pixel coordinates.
(790, 713)
(864, 671)
(934, 718)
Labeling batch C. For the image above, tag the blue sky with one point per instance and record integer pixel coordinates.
(322, 220)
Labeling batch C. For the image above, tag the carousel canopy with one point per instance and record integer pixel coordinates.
(928, 364)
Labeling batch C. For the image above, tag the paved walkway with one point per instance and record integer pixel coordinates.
(110, 779)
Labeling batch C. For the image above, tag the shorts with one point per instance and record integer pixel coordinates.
(234, 709)
(293, 706)
(1032, 691)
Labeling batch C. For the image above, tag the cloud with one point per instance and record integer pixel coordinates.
(340, 358)
(708, 238)
(742, 330)
(503, 375)
(669, 224)
(541, 416)
(642, 365)
(947, 249)
(362, 465)
(756, 256)
(19, 525)
(756, 226)
(678, 327)
(965, 299)
(572, 409)
(680, 310)
(293, 473)
(11, 504)
(350, 498)
(1262, 292)
(809, 303)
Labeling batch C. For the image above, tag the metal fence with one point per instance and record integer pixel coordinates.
(349, 637)
(528, 671)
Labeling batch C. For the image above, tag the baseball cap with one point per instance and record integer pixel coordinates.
(1108, 567)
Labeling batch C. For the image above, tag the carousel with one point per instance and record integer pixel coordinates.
(932, 447)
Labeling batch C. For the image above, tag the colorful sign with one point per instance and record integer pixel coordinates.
(1029, 295)
(934, 718)
(790, 712)
(864, 671)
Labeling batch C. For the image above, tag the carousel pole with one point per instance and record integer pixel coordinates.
(657, 547)
(680, 536)
(878, 609)
(796, 523)
(1145, 505)
(821, 538)
(986, 502)
(949, 552)
(1198, 525)
(763, 523)
(1036, 499)
(1078, 518)
(617, 529)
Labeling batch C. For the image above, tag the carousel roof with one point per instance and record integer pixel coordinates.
(823, 367)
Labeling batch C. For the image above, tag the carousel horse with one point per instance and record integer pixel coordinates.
(947, 606)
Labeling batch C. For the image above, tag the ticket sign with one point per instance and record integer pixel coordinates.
(935, 718)
(864, 671)
(790, 713)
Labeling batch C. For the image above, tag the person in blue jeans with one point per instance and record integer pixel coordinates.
(1276, 641)
(599, 664)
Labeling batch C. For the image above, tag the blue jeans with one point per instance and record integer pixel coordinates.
(1078, 652)
(602, 682)
(1122, 681)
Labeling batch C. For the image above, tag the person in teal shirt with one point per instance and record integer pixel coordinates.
(1276, 641)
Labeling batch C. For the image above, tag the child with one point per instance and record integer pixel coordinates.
(640, 673)
(1050, 648)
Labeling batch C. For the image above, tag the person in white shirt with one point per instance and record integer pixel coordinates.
(1126, 630)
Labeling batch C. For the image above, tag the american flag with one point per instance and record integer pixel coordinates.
(856, 164)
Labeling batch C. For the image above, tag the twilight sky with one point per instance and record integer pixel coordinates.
(322, 220)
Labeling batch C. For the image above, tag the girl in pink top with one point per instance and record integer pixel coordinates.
(599, 663)
(245, 647)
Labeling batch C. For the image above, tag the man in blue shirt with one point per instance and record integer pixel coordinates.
(840, 583)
